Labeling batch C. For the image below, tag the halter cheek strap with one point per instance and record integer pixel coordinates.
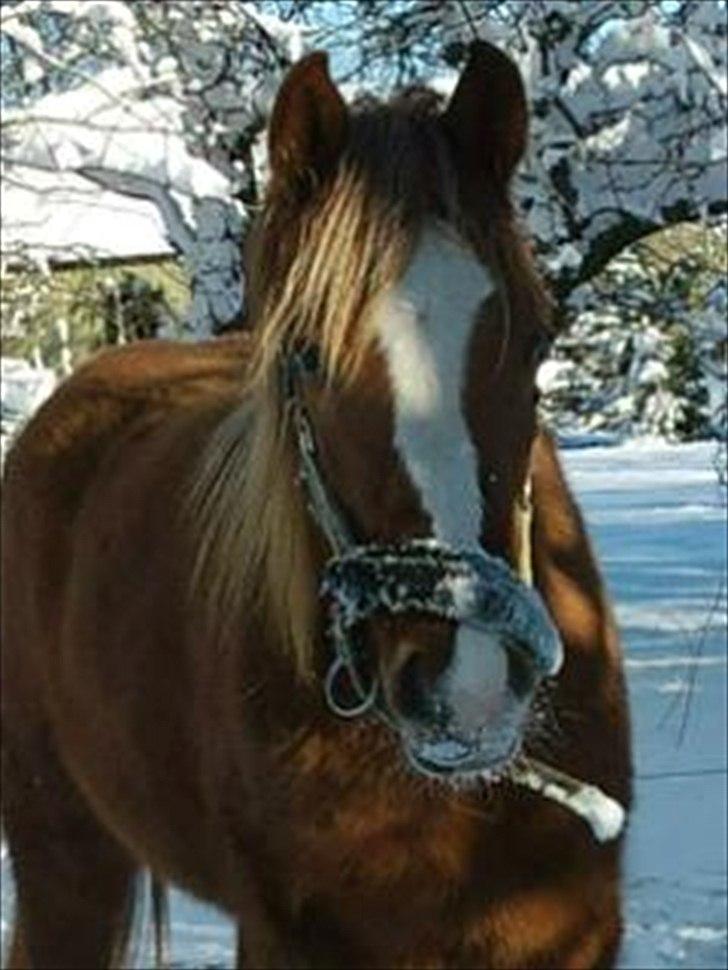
(321, 505)
(348, 691)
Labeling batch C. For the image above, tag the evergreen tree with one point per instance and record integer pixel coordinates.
(636, 358)
(685, 383)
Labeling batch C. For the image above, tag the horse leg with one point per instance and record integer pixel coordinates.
(258, 946)
(261, 942)
(263, 952)
(239, 948)
(17, 954)
(75, 884)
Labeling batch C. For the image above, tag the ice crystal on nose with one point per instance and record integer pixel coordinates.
(425, 576)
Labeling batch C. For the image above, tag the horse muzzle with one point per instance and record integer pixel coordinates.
(470, 718)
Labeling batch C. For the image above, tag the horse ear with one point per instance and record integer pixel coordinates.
(309, 123)
(487, 117)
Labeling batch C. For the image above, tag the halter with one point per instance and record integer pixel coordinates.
(420, 575)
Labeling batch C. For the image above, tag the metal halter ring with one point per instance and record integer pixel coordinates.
(332, 681)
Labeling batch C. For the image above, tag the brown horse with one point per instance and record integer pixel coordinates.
(268, 632)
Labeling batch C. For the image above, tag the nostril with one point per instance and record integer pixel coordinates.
(521, 671)
(413, 697)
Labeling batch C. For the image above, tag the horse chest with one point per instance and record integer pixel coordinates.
(426, 893)
(397, 874)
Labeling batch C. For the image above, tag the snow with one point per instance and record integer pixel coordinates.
(657, 517)
(554, 374)
(667, 575)
(111, 122)
(23, 388)
(623, 130)
(604, 816)
(61, 214)
(50, 207)
(105, 155)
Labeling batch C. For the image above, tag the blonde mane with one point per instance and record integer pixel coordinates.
(316, 267)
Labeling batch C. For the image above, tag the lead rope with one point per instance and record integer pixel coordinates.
(524, 527)
(604, 815)
(327, 516)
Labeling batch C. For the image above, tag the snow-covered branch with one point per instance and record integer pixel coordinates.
(629, 105)
(162, 102)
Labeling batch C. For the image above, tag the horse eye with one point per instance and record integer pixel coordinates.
(309, 360)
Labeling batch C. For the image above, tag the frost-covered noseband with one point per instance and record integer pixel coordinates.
(418, 575)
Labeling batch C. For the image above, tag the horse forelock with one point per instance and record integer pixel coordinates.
(317, 263)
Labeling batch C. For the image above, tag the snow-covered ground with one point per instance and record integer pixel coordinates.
(657, 516)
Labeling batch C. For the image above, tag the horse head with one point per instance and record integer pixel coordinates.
(400, 309)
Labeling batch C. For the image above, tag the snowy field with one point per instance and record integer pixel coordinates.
(657, 518)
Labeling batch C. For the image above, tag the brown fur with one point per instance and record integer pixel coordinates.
(162, 647)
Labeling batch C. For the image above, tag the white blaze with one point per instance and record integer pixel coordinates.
(424, 327)
(477, 680)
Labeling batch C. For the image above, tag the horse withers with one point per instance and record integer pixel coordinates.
(305, 621)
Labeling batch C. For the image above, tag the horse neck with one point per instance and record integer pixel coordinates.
(590, 689)
(562, 551)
